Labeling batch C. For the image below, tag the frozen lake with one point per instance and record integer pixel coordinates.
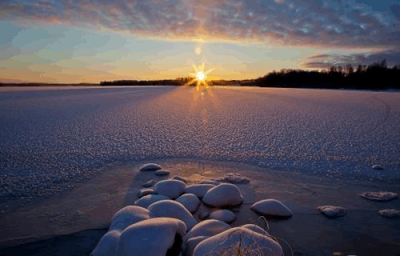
(53, 137)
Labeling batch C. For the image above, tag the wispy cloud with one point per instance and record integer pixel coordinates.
(346, 23)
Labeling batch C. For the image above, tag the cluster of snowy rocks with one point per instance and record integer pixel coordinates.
(162, 221)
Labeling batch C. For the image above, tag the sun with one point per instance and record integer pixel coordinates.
(200, 77)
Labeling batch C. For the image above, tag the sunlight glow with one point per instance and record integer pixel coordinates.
(200, 76)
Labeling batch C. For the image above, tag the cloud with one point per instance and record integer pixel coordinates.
(347, 23)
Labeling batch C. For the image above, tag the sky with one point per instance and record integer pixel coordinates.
(89, 41)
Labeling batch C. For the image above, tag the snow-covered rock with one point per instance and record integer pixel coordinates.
(390, 213)
(271, 207)
(256, 228)
(149, 199)
(223, 215)
(146, 191)
(190, 201)
(107, 246)
(192, 243)
(234, 178)
(331, 211)
(148, 184)
(172, 209)
(377, 167)
(199, 189)
(170, 188)
(238, 241)
(127, 216)
(161, 173)
(150, 167)
(204, 215)
(207, 228)
(379, 196)
(151, 237)
(223, 195)
(179, 178)
(210, 182)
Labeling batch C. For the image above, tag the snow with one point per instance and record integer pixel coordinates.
(390, 213)
(190, 201)
(199, 189)
(223, 195)
(234, 239)
(331, 211)
(107, 246)
(172, 209)
(127, 216)
(223, 215)
(149, 199)
(150, 167)
(379, 196)
(207, 228)
(170, 188)
(150, 237)
(271, 207)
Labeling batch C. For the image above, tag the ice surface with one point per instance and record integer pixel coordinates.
(51, 139)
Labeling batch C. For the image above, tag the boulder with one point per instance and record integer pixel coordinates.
(161, 173)
(390, 213)
(179, 178)
(170, 188)
(148, 184)
(146, 191)
(107, 246)
(150, 167)
(199, 189)
(151, 237)
(379, 196)
(172, 209)
(238, 241)
(223, 195)
(331, 211)
(256, 228)
(377, 167)
(149, 199)
(192, 243)
(207, 228)
(223, 215)
(190, 201)
(271, 207)
(127, 216)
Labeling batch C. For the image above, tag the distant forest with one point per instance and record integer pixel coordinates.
(373, 77)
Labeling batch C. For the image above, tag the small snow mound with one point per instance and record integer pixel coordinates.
(390, 213)
(179, 178)
(107, 245)
(170, 188)
(377, 167)
(161, 173)
(150, 237)
(207, 228)
(331, 211)
(223, 195)
(238, 241)
(145, 192)
(223, 215)
(234, 178)
(148, 184)
(256, 228)
(199, 189)
(271, 207)
(379, 196)
(190, 201)
(127, 216)
(149, 199)
(150, 167)
(172, 209)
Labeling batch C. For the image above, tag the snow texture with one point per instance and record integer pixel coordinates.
(379, 196)
(234, 178)
(190, 201)
(207, 228)
(172, 209)
(146, 191)
(243, 239)
(271, 207)
(107, 246)
(161, 173)
(149, 199)
(150, 167)
(199, 189)
(223, 215)
(223, 195)
(170, 188)
(127, 216)
(150, 237)
(331, 211)
(390, 213)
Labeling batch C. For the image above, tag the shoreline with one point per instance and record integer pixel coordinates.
(92, 204)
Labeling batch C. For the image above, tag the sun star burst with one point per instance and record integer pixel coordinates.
(200, 77)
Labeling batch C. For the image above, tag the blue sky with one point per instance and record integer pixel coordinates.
(72, 41)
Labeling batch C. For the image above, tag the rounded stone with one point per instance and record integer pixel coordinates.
(223, 195)
(379, 196)
(149, 199)
(161, 173)
(331, 211)
(127, 216)
(190, 201)
(390, 213)
(199, 189)
(150, 167)
(271, 207)
(170, 188)
(223, 215)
